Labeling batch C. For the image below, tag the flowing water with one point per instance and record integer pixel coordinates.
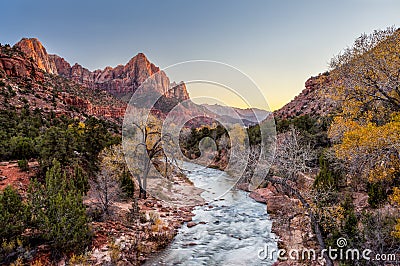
(231, 232)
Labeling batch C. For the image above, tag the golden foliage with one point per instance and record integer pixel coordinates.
(114, 252)
(365, 80)
(330, 216)
(82, 260)
(375, 147)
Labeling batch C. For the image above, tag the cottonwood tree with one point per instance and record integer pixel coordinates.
(366, 77)
(366, 133)
(149, 144)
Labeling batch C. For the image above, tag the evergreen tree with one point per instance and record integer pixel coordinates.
(13, 213)
(59, 213)
(127, 184)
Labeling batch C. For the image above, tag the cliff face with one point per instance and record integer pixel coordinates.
(34, 49)
(23, 82)
(17, 66)
(121, 81)
(311, 101)
(89, 91)
(62, 66)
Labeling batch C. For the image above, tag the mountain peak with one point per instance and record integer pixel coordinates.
(121, 81)
(32, 41)
(141, 55)
(33, 48)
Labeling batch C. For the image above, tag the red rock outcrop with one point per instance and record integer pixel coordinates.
(34, 49)
(95, 110)
(29, 59)
(121, 81)
(17, 67)
(62, 66)
(13, 64)
(311, 101)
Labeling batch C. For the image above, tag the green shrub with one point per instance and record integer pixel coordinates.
(13, 214)
(80, 179)
(59, 212)
(376, 194)
(127, 185)
(326, 178)
(350, 219)
(23, 165)
(22, 147)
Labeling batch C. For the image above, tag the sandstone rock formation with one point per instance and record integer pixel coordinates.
(24, 82)
(121, 81)
(29, 59)
(34, 49)
(311, 100)
(15, 65)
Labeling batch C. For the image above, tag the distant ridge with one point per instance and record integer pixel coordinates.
(121, 81)
(311, 101)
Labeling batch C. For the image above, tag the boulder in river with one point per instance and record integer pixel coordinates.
(191, 224)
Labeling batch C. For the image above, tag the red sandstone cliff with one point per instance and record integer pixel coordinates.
(34, 49)
(121, 81)
(24, 81)
(310, 101)
(30, 59)
(14, 64)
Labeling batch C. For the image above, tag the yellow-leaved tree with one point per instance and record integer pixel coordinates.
(365, 80)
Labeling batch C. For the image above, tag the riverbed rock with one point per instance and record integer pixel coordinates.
(276, 203)
(261, 194)
(191, 224)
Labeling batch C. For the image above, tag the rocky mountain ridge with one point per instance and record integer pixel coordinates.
(249, 116)
(102, 93)
(121, 81)
(311, 100)
(24, 83)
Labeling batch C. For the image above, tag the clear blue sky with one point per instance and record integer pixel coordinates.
(278, 43)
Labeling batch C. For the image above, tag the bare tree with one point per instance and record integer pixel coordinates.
(149, 145)
(293, 156)
(106, 189)
(105, 184)
(292, 159)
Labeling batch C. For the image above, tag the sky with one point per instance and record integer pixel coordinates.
(279, 44)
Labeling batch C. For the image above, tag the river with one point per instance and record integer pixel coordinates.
(230, 230)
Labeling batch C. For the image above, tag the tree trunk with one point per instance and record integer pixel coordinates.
(140, 186)
(145, 174)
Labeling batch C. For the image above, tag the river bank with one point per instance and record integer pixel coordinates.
(290, 223)
(136, 230)
(229, 230)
